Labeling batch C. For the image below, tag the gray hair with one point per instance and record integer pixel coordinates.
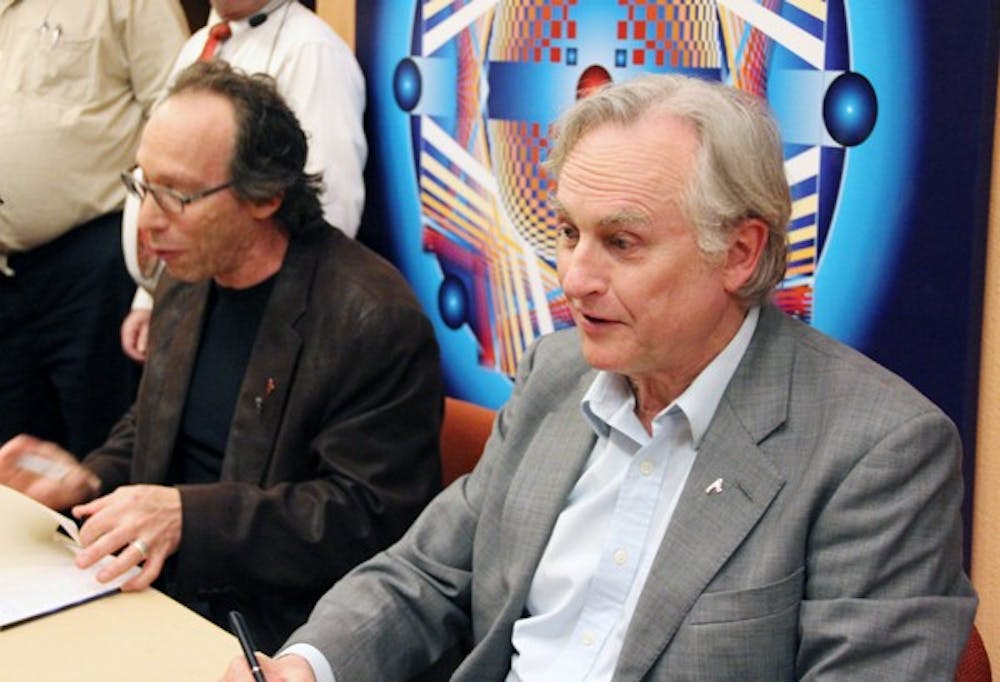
(739, 169)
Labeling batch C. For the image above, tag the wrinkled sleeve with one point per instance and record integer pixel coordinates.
(886, 596)
(323, 85)
(154, 33)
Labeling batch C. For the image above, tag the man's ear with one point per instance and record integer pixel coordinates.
(262, 210)
(746, 247)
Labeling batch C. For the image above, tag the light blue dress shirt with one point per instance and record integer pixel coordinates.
(595, 565)
(596, 562)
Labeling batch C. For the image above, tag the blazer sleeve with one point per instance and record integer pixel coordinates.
(886, 596)
(113, 459)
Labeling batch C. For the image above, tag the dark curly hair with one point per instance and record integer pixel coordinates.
(269, 153)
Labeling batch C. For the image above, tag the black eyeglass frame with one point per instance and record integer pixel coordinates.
(139, 188)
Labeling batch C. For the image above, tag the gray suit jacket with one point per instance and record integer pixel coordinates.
(834, 551)
(333, 446)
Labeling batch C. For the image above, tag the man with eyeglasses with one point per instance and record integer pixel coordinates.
(319, 78)
(77, 81)
(287, 423)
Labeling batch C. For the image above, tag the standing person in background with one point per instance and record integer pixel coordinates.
(77, 80)
(317, 75)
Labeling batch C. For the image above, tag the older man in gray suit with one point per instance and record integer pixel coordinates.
(689, 486)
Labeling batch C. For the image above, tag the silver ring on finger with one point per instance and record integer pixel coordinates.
(141, 547)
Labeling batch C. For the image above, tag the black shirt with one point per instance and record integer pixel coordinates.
(231, 321)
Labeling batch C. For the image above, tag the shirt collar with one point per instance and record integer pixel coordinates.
(609, 394)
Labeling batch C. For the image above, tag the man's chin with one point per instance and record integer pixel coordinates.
(600, 355)
(183, 274)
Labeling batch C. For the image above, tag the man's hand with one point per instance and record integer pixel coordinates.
(135, 333)
(290, 668)
(141, 523)
(45, 472)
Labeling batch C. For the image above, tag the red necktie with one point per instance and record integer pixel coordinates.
(217, 34)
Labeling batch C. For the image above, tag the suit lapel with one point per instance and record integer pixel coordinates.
(171, 371)
(540, 487)
(707, 528)
(267, 381)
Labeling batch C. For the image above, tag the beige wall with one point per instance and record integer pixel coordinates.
(985, 517)
(986, 499)
(340, 15)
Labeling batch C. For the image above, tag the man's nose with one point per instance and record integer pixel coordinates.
(582, 271)
(150, 216)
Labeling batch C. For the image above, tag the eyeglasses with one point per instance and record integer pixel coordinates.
(170, 200)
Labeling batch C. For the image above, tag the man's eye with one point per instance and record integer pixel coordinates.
(620, 243)
(567, 233)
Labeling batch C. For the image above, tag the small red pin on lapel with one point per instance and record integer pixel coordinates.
(269, 386)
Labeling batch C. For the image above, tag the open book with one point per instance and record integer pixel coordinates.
(37, 573)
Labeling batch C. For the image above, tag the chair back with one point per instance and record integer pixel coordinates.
(974, 666)
(464, 432)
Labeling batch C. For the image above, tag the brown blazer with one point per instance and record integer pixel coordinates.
(333, 447)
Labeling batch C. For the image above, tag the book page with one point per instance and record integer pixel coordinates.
(37, 570)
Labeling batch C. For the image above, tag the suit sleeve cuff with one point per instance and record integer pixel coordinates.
(317, 661)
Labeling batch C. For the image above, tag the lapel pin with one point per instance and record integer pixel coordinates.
(269, 386)
(715, 488)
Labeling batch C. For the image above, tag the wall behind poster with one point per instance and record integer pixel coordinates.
(885, 107)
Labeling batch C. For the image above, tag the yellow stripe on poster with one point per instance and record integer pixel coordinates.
(807, 205)
(817, 8)
(432, 7)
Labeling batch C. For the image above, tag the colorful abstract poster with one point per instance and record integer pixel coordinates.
(885, 107)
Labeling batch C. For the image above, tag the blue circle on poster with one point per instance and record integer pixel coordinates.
(453, 302)
(850, 109)
(407, 84)
(461, 106)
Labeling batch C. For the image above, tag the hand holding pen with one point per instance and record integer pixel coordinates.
(284, 668)
(242, 633)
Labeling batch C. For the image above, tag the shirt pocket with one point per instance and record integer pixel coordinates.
(69, 69)
(757, 602)
(52, 64)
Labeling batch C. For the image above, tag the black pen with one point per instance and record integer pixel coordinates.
(243, 634)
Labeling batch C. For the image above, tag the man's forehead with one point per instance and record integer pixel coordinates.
(204, 104)
(622, 215)
(656, 146)
(198, 116)
(195, 129)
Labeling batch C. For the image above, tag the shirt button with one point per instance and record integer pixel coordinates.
(646, 468)
(620, 557)
(587, 639)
